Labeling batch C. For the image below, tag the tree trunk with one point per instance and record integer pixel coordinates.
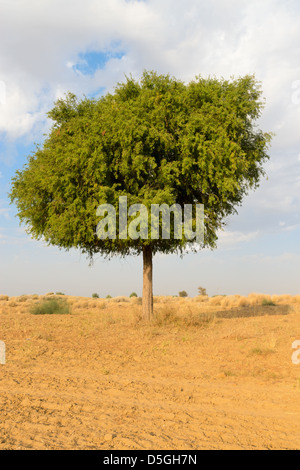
(147, 283)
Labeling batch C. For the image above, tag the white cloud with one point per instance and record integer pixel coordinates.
(230, 239)
(40, 40)
(291, 228)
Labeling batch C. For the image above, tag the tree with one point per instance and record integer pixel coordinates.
(183, 293)
(201, 291)
(155, 141)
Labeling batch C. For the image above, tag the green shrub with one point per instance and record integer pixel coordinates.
(95, 296)
(108, 296)
(183, 293)
(59, 293)
(268, 302)
(133, 294)
(51, 307)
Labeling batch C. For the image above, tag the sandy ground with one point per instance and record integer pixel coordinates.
(100, 379)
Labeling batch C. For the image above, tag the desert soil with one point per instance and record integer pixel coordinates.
(100, 379)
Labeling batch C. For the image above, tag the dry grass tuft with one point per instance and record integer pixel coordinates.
(201, 298)
(199, 319)
(4, 298)
(23, 298)
(243, 302)
(137, 300)
(120, 299)
(183, 316)
(165, 316)
(216, 300)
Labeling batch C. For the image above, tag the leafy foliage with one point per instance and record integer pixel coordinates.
(183, 293)
(133, 294)
(156, 141)
(50, 307)
(202, 290)
(268, 302)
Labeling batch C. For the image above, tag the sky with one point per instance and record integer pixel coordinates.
(48, 48)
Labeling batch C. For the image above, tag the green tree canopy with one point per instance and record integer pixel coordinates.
(156, 141)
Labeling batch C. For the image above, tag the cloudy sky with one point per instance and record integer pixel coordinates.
(48, 48)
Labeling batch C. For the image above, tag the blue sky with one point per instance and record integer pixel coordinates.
(51, 47)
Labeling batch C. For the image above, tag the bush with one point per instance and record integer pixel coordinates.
(120, 299)
(4, 297)
(51, 307)
(95, 296)
(216, 300)
(22, 298)
(165, 316)
(268, 302)
(202, 291)
(59, 293)
(183, 293)
(133, 294)
(108, 296)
